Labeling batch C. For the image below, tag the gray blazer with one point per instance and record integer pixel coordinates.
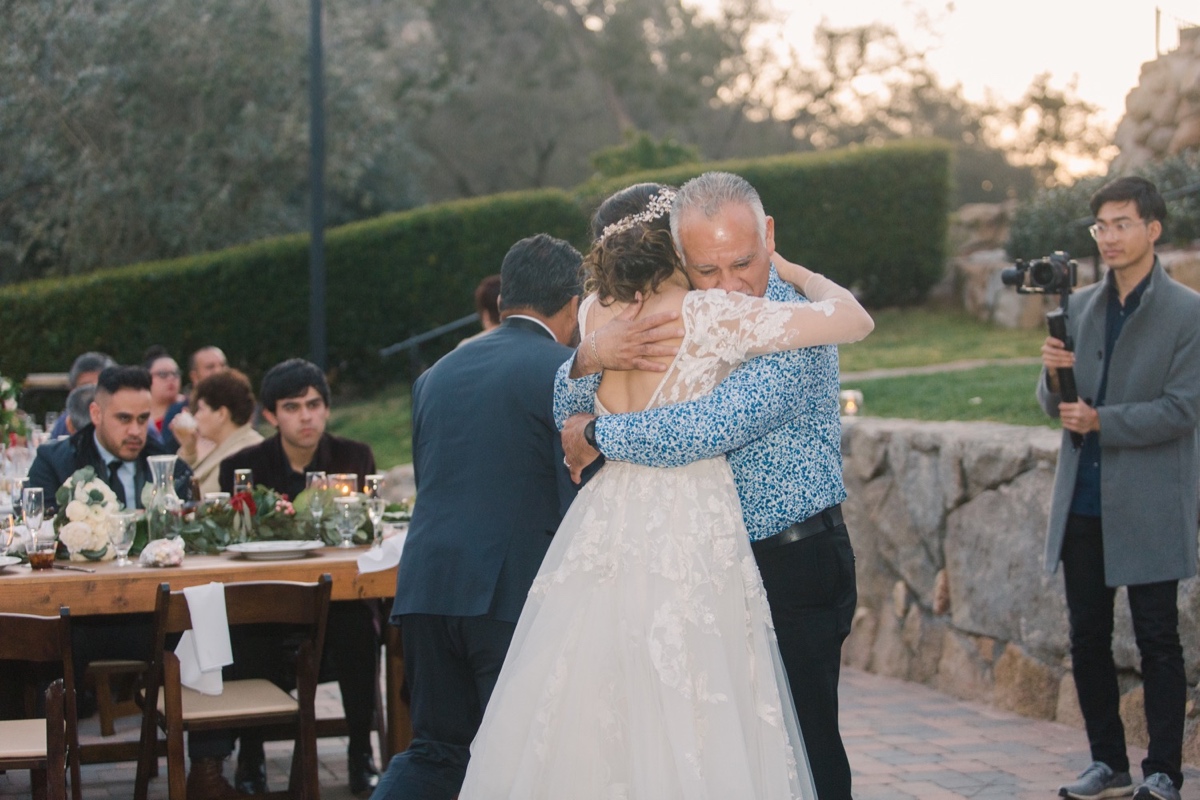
(1149, 466)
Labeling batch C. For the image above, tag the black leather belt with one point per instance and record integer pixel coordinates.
(820, 522)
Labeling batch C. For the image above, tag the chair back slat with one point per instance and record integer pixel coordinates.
(47, 640)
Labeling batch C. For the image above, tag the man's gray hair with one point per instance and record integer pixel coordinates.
(88, 362)
(78, 404)
(709, 193)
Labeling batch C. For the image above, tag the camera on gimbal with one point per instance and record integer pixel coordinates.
(1053, 274)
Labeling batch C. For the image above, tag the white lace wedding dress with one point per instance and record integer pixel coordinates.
(644, 665)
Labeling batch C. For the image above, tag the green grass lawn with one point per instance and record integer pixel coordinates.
(902, 338)
(994, 393)
(383, 421)
(914, 337)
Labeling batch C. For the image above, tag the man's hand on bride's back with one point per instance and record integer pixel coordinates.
(628, 343)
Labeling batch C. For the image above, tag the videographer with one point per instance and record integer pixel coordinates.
(1125, 507)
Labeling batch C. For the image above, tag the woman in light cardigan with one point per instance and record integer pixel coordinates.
(223, 404)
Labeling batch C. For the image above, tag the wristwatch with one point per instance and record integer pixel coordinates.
(589, 434)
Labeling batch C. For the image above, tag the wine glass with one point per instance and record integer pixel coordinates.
(33, 508)
(122, 526)
(346, 514)
(316, 483)
(373, 489)
(15, 487)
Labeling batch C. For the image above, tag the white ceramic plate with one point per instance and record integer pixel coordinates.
(275, 550)
(8, 561)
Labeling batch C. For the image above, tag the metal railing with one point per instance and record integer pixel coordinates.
(413, 343)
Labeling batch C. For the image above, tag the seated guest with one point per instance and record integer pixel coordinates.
(164, 387)
(487, 304)
(115, 443)
(295, 399)
(202, 363)
(79, 402)
(84, 371)
(223, 405)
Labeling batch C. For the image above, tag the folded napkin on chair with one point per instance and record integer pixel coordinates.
(385, 556)
(204, 649)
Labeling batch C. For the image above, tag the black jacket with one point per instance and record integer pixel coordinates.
(58, 461)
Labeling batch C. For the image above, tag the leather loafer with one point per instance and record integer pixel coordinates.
(363, 774)
(251, 774)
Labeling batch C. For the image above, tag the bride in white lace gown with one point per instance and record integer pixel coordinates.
(644, 665)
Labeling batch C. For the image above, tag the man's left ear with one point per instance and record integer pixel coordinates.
(1155, 229)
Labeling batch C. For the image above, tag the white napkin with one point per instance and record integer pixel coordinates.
(386, 555)
(204, 649)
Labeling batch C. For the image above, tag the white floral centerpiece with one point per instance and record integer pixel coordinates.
(85, 504)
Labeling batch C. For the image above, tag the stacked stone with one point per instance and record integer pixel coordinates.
(1162, 113)
(948, 521)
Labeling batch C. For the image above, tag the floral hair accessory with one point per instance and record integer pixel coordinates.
(659, 206)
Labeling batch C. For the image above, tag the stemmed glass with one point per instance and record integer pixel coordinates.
(16, 487)
(316, 484)
(373, 489)
(122, 526)
(33, 508)
(346, 511)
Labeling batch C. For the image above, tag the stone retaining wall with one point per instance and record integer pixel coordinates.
(948, 522)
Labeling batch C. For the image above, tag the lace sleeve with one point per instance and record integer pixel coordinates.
(734, 327)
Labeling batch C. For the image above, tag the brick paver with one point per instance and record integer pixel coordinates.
(905, 741)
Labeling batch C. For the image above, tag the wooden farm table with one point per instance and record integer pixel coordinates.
(123, 590)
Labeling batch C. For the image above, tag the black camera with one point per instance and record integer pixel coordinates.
(1054, 274)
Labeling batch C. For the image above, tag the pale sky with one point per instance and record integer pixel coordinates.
(1004, 45)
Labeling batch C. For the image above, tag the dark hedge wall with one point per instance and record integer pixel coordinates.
(872, 218)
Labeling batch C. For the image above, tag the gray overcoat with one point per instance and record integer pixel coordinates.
(1149, 466)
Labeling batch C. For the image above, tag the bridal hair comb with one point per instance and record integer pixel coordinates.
(659, 206)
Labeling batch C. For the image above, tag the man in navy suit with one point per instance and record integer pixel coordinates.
(491, 491)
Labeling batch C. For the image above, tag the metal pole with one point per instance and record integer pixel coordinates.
(316, 168)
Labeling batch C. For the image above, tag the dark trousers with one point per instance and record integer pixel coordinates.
(1156, 628)
(812, 592)
(451, 665)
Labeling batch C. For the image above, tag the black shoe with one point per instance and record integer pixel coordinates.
(251, 774)
(363, 775)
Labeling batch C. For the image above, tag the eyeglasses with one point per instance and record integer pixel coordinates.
(166, 374)
(1119, 228)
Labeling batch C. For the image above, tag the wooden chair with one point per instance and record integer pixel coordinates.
(116, 683)
(48, 747)
(243, 703)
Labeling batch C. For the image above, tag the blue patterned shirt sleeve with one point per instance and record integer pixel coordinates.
(573, 396)
(756, 398)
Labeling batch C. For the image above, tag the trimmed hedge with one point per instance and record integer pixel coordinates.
(871, 218)
(386, 279)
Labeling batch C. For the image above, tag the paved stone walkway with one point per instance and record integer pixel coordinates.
(905, 741)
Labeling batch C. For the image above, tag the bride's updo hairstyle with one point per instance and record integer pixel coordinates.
(632, 250)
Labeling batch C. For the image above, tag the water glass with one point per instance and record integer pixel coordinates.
(373, 489)
(316, 483)
(346, 510)
(122, 527)
(51, 420)
(33, 507)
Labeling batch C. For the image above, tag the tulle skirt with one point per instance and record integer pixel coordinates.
(644, 665)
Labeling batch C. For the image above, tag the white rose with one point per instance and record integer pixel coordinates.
(75, 535)
(98, 517)
(5, 385)
(77, 511)
(81, 492)
(10, 404)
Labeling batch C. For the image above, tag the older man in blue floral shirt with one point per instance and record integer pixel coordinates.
(776, 419)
